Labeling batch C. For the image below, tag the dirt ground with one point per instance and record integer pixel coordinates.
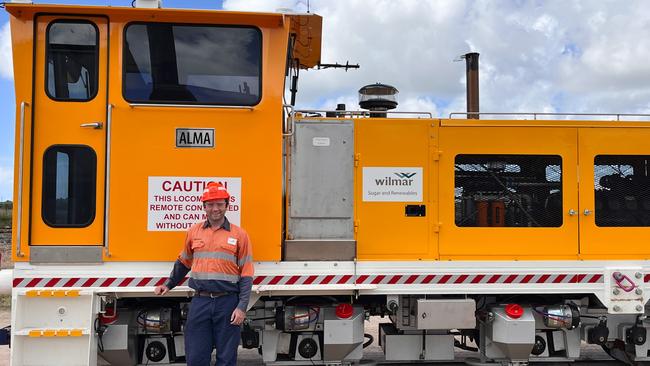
(5, 300)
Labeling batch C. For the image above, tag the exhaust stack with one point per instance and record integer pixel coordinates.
(471, 74)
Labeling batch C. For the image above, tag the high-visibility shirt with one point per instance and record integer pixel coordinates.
(220, 260)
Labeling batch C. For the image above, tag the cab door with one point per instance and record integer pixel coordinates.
(614, 168)
(67, 193)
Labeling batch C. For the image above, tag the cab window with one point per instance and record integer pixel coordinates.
(69, 185)
(192, 64)
(72, 60)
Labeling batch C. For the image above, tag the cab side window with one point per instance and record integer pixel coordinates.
(192, 64)
(72, 55)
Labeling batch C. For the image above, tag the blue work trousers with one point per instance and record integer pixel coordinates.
(207, 327)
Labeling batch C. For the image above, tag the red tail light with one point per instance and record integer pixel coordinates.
(514, 311)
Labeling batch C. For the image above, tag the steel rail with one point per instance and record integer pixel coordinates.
(535, 114)
(21, 157)
(107, 178)
(361, 113)
(156, 105)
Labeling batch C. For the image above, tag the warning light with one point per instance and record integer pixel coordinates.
(514, 311)
(344, 311)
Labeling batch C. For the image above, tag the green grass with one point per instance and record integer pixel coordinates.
(5, 213)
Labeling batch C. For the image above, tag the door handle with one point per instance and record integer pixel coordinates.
(95, 125)
(587, 212)
(572, 212)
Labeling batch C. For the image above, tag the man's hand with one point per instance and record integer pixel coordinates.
(161, 290)
(237, 317)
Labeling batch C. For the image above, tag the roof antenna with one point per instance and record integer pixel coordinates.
(307, 6)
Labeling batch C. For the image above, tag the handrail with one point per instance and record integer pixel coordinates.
(19, 219)
(133, 105)
(535, 114)
(361, 113)
(290, 121)
(107, 169)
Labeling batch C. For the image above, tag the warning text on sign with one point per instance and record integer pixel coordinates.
(175, 202)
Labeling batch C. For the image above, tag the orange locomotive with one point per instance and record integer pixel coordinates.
(523, 248)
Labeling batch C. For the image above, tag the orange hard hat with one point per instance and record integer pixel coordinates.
(214, 191)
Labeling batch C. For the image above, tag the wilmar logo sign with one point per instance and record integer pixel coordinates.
(392, 184)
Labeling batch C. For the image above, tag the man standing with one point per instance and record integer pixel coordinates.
(219, 255)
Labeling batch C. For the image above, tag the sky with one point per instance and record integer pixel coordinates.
(536, 56)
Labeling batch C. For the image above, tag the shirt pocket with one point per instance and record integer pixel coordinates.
(197, 244)
(228, 246)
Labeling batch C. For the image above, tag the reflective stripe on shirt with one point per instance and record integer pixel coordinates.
(216, 255)
(214, 276)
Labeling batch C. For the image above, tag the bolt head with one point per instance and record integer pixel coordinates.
(638, 275)
(616, 291)
(638, 291)
(616, 308)
(639, 308)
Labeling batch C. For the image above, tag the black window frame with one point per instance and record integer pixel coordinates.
(547, 155)
(43, 187)
(47, 52)
(182, 102)
(601, 215)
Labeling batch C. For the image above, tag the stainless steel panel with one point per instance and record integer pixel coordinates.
(508, 338)
(446, 314)
(320, 228)
(320, 250)
(321, 180)
(342, 338)
(119, 345)
(399, 347)
(65, 254)
(439, 347)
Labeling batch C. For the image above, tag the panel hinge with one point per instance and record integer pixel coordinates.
(357, 156)
(436, 155)
(436, 228)
(356, 226)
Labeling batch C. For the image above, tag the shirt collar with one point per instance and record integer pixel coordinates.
(225, 225)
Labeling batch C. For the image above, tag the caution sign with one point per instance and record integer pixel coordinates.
(175, 202)
(392, 184)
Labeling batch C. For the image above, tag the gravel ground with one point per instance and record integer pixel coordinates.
(5, 301)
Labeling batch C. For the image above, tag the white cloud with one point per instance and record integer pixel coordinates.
(551, 56)
(6, 62)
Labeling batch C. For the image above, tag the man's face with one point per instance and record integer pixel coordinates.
(215, 210)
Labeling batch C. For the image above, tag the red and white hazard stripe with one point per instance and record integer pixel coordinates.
(89, 282)
(423, 279)
(374, 279)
